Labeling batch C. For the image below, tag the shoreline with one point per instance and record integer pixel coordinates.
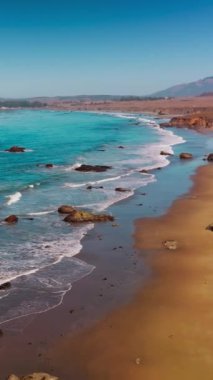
(71, 312)
(166, 331)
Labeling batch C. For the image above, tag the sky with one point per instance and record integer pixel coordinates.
(137, 47)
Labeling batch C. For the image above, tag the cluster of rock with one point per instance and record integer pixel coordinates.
(34, 376)
(75, 215)
(92, 168)
(15, 149)
(195, 121)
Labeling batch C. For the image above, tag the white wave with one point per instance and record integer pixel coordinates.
(41, 213)
(13, 198)
(73, 167)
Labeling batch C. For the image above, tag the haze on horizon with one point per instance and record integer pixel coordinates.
(136, 47)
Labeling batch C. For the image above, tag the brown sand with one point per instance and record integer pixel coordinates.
(166, 333)
(164, 106)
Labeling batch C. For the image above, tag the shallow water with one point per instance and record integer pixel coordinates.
(44, 249)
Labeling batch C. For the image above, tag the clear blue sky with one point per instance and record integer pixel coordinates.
(61, 47)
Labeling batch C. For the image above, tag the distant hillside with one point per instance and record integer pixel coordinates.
(188, 89)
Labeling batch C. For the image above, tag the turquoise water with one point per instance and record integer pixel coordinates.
(39, 253)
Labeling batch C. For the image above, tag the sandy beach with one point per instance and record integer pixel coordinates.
(166, 331)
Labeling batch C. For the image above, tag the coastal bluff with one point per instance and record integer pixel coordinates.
(193, 121)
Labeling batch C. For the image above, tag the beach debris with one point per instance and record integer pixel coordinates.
(15, 149)
(121, 189)
(78, 216)
(210, 227)
(162, 153)
(93, 168)
(34, 376)
(64, 209)
(210, 157)
(11, 219)
(5, 286)
(138, 361)
(170, 244)
(185, 156)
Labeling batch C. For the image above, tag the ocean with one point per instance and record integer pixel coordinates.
(39, 254)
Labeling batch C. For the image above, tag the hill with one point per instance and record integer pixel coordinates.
(188, 89)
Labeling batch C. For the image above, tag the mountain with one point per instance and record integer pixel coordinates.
(188, 89)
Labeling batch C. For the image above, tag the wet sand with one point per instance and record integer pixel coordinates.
(166, 332)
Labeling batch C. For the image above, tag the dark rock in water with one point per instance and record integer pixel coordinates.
(90, 187)
(34, 376)
(65, 209)
(210, 157)
(210, 227)
(121, 189)
(79, 216)
(11, 219)
(5, 286)
(121, 147)
(185, 156)
(48, 166)
(15, 149)
(93, 168)
(165, 153)
(144, 171)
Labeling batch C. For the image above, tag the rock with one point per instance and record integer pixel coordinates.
(185, 156)
(65, 209)
(11, 219)
(38, 376)
(144, 171)
(48, 166)
(93, 168)
(79, 216)
(170, 244)
(210, 227)
(210, 157)
(5, 286)
(13, 377)
(138, 361)
(165, 153)
(15, 149)
(121, 147)
(90, 187)
(194, 121)
(121, 189)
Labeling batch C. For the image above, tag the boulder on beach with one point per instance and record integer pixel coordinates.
(34, 376)
(65, 209)
(185, 156)
(121, 189)
(15, 149)
(79, 216)
(5, 286)
(93, 168)
(11, 219)
(210, 157)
